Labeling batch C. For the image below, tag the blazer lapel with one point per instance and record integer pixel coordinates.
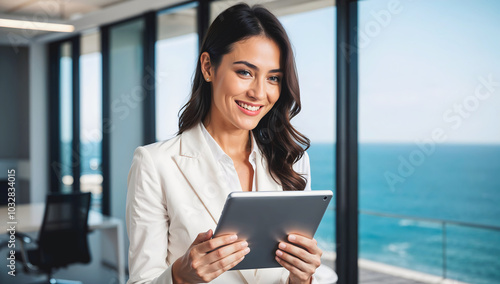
(202, 172)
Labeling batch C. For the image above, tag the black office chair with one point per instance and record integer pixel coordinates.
(62, 239)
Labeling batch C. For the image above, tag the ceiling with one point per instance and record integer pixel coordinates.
(90, 14)
(54, 11)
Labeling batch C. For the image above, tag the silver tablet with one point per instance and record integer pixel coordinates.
(265, 218)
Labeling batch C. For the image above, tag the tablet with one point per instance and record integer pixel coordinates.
(265, 218)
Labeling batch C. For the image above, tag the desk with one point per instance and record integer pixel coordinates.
(30, 216)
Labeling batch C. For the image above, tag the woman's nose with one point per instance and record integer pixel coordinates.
(257, 89)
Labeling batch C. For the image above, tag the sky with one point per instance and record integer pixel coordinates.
(422, 67)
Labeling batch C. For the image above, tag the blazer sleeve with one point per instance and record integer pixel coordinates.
(147, 223)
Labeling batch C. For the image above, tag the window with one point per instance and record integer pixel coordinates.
(91, 118)
(76, 116)
(65, 171)
(124, 125)
(429, 152)
(176, 59)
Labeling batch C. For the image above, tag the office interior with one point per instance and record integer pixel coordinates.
(400, 101)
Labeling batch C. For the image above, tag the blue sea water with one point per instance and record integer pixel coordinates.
(452, 182)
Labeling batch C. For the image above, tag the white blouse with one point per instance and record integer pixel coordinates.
(227, 166)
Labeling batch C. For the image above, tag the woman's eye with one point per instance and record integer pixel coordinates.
(243, 72)
(275, 78)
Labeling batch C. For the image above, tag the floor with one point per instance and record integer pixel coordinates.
(92, 273)
(367, 276)
(371, 277)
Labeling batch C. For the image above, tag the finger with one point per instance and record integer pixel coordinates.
(311, 245)
(215, 243)
(224, 251)
(296, 262)
(202, 237)
(300, 253)
(293, 270)
(228, 260)
(227, 267)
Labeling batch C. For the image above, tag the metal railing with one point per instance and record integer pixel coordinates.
(442, 222)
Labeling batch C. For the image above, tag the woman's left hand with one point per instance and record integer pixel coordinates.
(301, 257)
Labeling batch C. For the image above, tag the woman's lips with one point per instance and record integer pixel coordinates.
(249, 109)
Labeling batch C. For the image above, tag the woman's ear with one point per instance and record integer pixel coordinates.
(206, 66)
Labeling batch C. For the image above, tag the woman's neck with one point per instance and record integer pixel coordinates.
(233, 141)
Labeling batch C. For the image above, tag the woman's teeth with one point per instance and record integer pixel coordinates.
(250, 108)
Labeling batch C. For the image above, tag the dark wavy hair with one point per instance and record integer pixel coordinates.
(279, 141)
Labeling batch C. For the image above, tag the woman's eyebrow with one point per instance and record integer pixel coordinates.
(250, 65)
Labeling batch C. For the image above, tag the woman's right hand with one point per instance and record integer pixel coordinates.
(207, 258)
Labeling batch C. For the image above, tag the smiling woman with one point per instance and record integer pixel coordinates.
(243, 92)
(256, 60)
(234, 135)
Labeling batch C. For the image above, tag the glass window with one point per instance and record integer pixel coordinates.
(91, 118)
(66, 116)
(429, 136)
(315, 61)
(176, 55)
(127, 94)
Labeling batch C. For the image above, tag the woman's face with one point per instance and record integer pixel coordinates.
(246, 84)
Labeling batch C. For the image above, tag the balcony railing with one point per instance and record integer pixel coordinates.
(484, 246)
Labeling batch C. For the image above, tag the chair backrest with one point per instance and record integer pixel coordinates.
(63, 236)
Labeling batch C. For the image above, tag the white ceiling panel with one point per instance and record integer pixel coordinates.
(53, 9)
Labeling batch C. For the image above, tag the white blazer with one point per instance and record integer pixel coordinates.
(175, 193)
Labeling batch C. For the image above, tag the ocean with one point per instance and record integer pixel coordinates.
(445, 183)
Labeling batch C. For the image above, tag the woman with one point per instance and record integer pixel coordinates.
(234, 134)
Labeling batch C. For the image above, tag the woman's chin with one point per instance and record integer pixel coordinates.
(248, 125)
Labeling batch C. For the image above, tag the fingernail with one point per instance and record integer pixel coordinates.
(234, 238)
(291, 238)
(247, 250)
(279, 253)
(244, 244)
(282, 245)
